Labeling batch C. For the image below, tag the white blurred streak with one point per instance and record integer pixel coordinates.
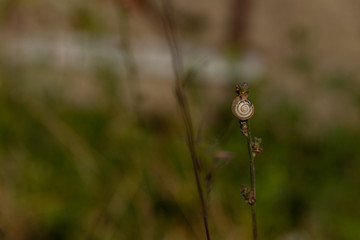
(151, 56)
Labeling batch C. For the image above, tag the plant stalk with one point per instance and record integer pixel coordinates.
(252, 181)
(176, 58)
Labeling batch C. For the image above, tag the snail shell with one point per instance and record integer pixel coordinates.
(242, 108)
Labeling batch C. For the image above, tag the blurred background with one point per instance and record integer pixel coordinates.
(92, 143)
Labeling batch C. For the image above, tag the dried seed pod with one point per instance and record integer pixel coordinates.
(242, 108)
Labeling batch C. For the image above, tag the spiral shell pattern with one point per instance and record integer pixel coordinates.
(243, 109)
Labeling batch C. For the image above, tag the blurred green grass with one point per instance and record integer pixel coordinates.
(135, 179)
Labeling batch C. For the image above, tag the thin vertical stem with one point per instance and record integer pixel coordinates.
(127, 55)
(252, 181)
(184, 106)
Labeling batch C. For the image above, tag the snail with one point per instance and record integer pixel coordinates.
(242, 108)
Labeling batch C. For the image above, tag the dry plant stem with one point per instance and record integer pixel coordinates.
(127, 55)
(252, 181)
(184, 107)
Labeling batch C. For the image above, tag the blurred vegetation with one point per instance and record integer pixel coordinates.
(79, 160)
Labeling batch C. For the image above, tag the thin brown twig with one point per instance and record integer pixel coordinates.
(127, 55)
(169, 26)
(252, 200)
